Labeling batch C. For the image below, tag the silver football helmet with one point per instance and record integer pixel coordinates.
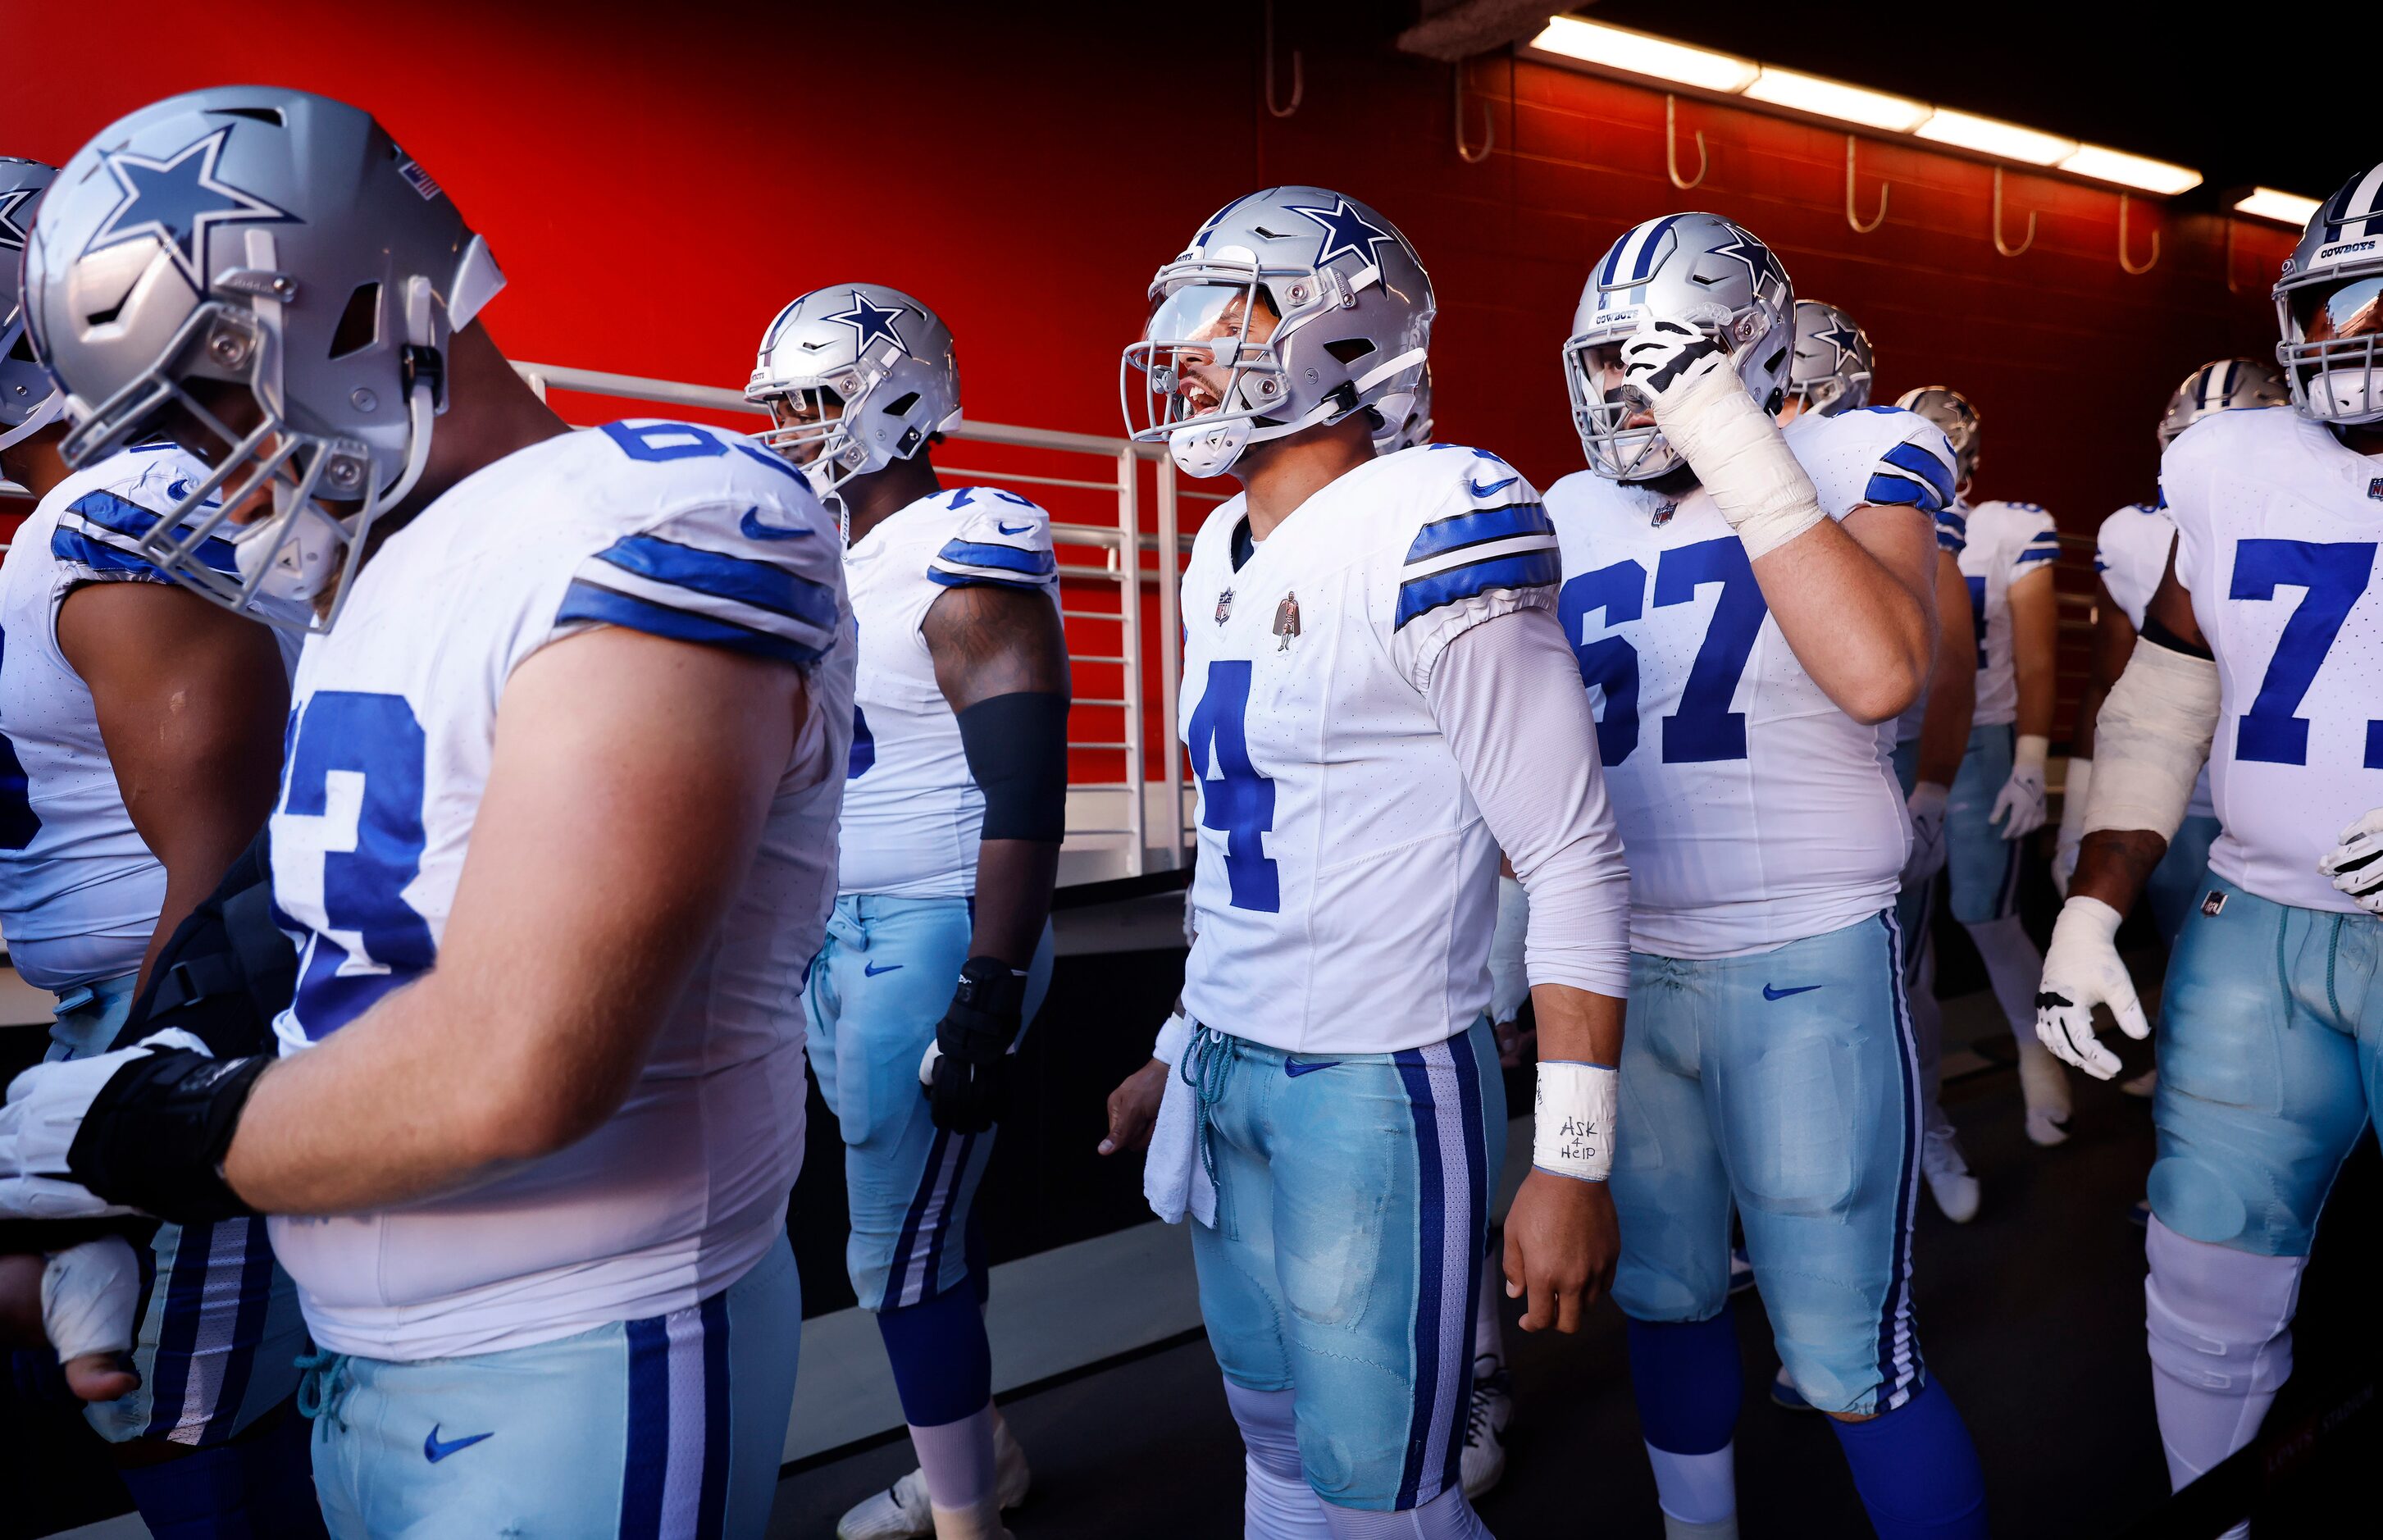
(1701, 270)
(1952, 413)
(1832, 366)
(1291, 308)
(881, 359)
(2228, 385)
(2332, 285)
(263, 257)
(28, 397)
(1414, 427)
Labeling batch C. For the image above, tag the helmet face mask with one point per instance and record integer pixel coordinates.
(855, 376)
(1697, 270)
(2329, 307)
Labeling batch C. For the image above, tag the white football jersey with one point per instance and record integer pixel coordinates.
(78, 888)
(1952, 536)
(1347, 884)
(2277, 526)
(1756, 813)
(2006, 540)
(2130, 554)
(685, 531)
(912, 812)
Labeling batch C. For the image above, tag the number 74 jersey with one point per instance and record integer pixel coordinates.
(2277, 525)
(1756, 813)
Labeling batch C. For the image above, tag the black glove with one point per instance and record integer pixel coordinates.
(156, 1132)
(968, 1086)
(1652, 358)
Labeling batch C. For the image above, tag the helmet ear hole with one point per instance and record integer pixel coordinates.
(901, 407)
(21, 350)
(359, 325)
(1349, 350)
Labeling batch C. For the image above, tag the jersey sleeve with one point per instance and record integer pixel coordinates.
(1480, 546)
(1880, 454)
(1001, 539)
(753, 578)
(1953, 528)
(98, 538)
(2034, 539)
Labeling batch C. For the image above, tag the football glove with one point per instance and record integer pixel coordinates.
(2081, 969)
(2020, 805)
(2353, 864)
(1928, 848)
(965, 1072)
(141, 1130)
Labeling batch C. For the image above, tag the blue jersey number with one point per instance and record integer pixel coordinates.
(1978, 616)
(2332, 576)
(864, 747)
(1237, 801)
(376, 738)
(1704, 728)
(19, 822)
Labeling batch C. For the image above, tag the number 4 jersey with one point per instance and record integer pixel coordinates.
(682, 531)
(1755, 812)
(2277, 528)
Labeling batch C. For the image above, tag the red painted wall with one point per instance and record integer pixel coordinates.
(657, 181)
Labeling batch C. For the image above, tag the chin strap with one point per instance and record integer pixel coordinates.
(422, 397)
(44, 415)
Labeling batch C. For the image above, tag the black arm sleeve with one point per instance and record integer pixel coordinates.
(1016, 747)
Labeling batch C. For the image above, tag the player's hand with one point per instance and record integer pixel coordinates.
(2081, 970)
(1518, 1045)
(90, 1294)
(1133, 1107)
(38, 1125)
(139, 1130)
(2020, 807)
(1663, 358)
(1563, 1244)
(2353, 864)
(1927, 849)
(967, 1069)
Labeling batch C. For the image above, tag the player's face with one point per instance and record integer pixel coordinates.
(234, 411)
(1791, 408)
(2353, 309)
(1224, 315)
(799, 409)
(1605, 368)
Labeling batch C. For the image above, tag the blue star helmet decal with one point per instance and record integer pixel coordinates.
(179, 200)
(1755, 255)
(867, 320)
(1345, 231)
(1843, 339)
(12, 223)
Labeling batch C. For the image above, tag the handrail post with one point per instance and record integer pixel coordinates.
(1170, 651)
(1129, 649)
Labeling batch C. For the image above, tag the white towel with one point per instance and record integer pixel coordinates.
(1174, 1178)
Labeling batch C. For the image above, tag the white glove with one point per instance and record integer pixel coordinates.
(2020, 805)
(1928, 850)
(2081, 970)
(2353, 866)
(89, 1293)
(2072, 822)
(44, 1112)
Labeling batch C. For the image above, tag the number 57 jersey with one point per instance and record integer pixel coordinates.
(1755, 812)
(2277, 529)
(678, 530)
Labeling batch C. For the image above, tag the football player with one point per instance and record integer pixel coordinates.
(953, 814)
(556, 827)
(140, 738)
(1747, 605)
(1999, 796)
(1377, 701)
(2258, 654)
(1830, 374)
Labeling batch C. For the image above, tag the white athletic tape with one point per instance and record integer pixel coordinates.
(2151, 740)
(1574, 1120)
(87, 1295)
(1740, 458)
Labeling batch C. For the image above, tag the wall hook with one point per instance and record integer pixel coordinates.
(1672, 146)
(2149, 263)
(1877, 219)
(2000, 245)
(1468, 154)
(1298, 75)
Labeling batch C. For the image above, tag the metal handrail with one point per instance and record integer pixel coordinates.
(1124, 544)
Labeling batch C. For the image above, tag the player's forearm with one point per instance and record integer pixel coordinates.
(1577, 1026)
(1865, 639)
(2038, 692)
(1013, 879)
(2114, 864)
(1952, 702)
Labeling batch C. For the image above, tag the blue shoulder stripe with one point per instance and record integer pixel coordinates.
(763, 584)
(71, 545)
(1478, 525)
(129, 519)
(1918, 461)
(1530, 569)
(1885, 487)
(975, 580)
(1008, 558)
(589, 601)
(2037, 553)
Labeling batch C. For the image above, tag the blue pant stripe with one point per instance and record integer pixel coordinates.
(901, 1288)
(178, 1332)
(644, 1465)
(1468, 1091)
(2007, 895)
(1431, 1218)
(933, 1269)
(712, 1506)
(247, 1331)
(1898, 1350)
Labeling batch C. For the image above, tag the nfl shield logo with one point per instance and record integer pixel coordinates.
(1223, 605)
(2374, 488)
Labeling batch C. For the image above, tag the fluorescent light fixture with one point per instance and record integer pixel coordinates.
(1990, 136)
(2285, 208)
(1639, 53)
(2114, 165)
(1871, 109)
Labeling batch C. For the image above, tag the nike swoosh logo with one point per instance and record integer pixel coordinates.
(871, 970)
(1006, 530)
(752, 528)
(435, 1451)
(179, 489)
(1480, 491)
(1295, 1068)
(1771, 993)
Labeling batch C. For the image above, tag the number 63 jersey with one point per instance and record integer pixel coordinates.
(679, 531)
(1755, 812)
(2276, 527)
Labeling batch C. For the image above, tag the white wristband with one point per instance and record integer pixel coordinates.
(1173, 1034)
(2031, 752)
(1572, 1123)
